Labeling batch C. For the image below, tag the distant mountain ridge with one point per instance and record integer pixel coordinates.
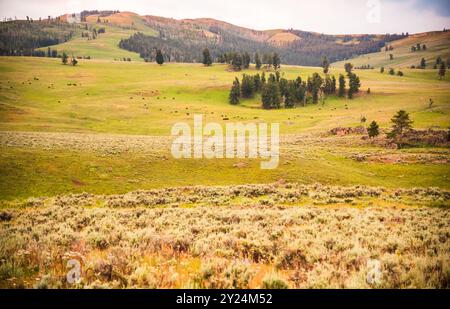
(183, 40)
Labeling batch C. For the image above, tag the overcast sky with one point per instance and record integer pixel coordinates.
(325, 16)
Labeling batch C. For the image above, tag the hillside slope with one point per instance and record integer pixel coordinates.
(437, 43)
(183, 40)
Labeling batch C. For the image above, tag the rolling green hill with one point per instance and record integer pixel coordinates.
(437, 43)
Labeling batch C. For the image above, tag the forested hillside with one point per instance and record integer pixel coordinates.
(22, 37)
(183, 41)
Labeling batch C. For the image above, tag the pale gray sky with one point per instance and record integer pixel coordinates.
(326, 16)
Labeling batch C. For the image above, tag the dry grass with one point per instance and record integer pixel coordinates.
(229, 237)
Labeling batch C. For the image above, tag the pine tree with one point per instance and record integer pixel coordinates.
(382, 70)
(283, 83)
(159, 57)
(247, 86)
(333, 85)
(401, 123)
(207, 60)
(442, 71)
(300, 90)
(373, 129)
(423, 63)
(348, 68)
(235, 92)
(270, 95)
(277, 76)
(276, 62)
(257, 61)
(64, 58)
(290, 95)
(325, 65)
(74, 61)
(257, 82)
(236, 62)
(341, 92)
(246, 60)
(353, 85)
(316, 85)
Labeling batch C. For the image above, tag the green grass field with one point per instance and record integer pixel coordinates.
(142, 99)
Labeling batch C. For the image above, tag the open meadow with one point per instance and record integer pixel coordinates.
(86, 172)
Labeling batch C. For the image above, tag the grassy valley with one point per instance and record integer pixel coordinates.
(87, 173)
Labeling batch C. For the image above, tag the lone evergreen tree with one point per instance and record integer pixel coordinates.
(325, 65)
(257, 61)
(207, 60)
(276, 61)
(442, 70)
(353, 85)
(382, 70)
(64, 58)
(235, 92)
(373, 129)
(74, 61)
(401, 123)
(423, 63)
(341, 91)
(348, 68)
(159, 57)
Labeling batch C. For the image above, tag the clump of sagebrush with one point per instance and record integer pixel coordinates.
(273, 281)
